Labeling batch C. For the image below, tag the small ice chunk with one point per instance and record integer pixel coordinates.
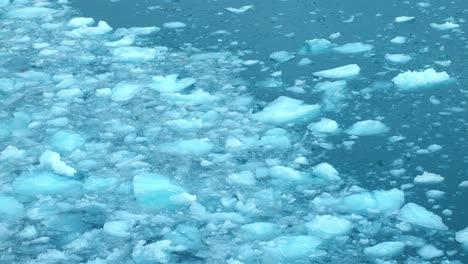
(157, 252)
(326, 171)
(397, 58)
(259, 231)
(77, 22)
(314, 46)
(462, 237)
(117, 228)
(435, 194)
(185, 124)
(402, 19)
(85, 31)
(445, 26)
(155, 191)
(125, 91)
(53, 160)
(398, 40)
(12, 153)
(44, 183)
(239, 10)
(66, 141)
(342, 72)
(171, 83)
(324, 126)
(412, 80)
(134, 54)
(197, 147)
(282, 56)
(380, 201)
(287, 110)
(10, 208)
(434, 147)
(418, 215)
(430, 252)
(355, 47)
(388, 249)
(328, 226)
(174, 25)
(198, 97)
(242, 178)
(428, 178)
(367, 128)
(286, 173)
(29, 12)
(290, 248)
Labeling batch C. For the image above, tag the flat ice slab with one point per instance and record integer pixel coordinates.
(286, 110)
(412, 80)
(355, 47)
(418, 215)
(342, 72)
(367, 128)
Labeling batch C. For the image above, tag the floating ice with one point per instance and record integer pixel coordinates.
(134, 54)
(430, 252)
(12, 153)
(239, 10)
(367, 128)
(174, 25)
(342, 72)
(195, 147)
(282, 56)
(445, 26)
(66, 141)
(171, 84)
(10, 208)
(242, 178)
(53, 160)
(324, 126)
(29, 12)
(198, 97)
(326, 171)
(313, 46)
(385, 250)
(412, 80)
(101, 28)
(462, 237)
(287, 110)
(428, 178)
(402, 19)
(418, 215)
(77, 22)
(286, 173)
(290, 248)
(259, 231)
(45, 183)
(328, 226)
(381, 201)
(355, 47)
(398, 58)
(157, 252)
(117, 228)
(125, 91)
(398, 40)
(155, 191)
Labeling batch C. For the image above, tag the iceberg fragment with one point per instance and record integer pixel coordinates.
(171, 83)
(125, 91)
(343, 72)
(287, 110)
(385, 250)
(329, 226)
(45, 183)
(367, 128)
(418, 215)
(154, 191)
(355, 47)
(412, 80)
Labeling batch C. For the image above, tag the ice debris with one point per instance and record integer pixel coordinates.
(287, 110)
(342, 72)
(412, 80)
(418, 215)
(367, 128)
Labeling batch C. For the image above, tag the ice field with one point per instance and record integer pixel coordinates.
(237, 132)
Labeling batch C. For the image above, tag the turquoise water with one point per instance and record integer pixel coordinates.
(254, 153)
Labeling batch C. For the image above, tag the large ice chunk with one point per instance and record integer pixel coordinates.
(66, 141)
(388, 249)
(324, 126)
(342, 72)
(29, 12)
(85, 31)
(53, 160)
(45, 183)
(10, 208)
(412, 80)
(282, 56)
(77, 22)
(157, 252)
(328, 226)
(367, 128)
(428, 178)
(155, 191)
(134, 54)
(125, 91)
(171, 84)
(462, 237)
(286, 110)
(315, 46)
(259, 231)
(380, 201)
(397, 58)
(418, 215)
(326, 171)
(291, 248)
(197, 146)
(444, 26)
(117, 228)
(430, 251)
(355, 47)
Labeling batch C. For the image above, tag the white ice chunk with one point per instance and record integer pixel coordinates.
(85, 31)
(125, 91)
(185, 124)
(171, 83)
(462, 237)
(134, 54)
(328, 226)
(10, 208)
(367, 128)
(402, 19)
(198, 97)
(53, 160)
(291, 248)
(445, 26)
(388, 249)
(44, 183)
(342, 72)
(412, 80)
(157, 252)
(197, 147)
(239, 10)
(282, 56)
(355, 47)
(259, 231)
(324, 126)
(66, 141)
(286, 110)
(428, 178)
(174, 25)
(29, 12)
(12, 153)
(430, 252)
(242, 178)
(326, 171)
(155, 191)
(77, 22)
(398, 40)
(117, 228)
(397, 58)
(418, 215)
(4, 3)
(286, 173)
(316, 46)
(125, 41)
(380, 201)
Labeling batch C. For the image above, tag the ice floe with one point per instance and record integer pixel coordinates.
(367, 128)
(342, 72)
(418, 215)
(412, 80)
(286, 110)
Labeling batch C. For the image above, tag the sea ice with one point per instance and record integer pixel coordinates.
(197, 147)
(342, 72)
(326, 171)
(418, 215)
(10, 208)
(282, 56)
(155, 191)
(412, 80)
(45, 183)
(388, 249)
(328, 226)
(428, 178)
(324, 126)
(397, 58)
(29, 12)
(53, 160)
(239, 10)
(66, 141)
(171, 83)
(125, 91)
(367, 128)
(287, 110)
(355, 47)
(380, 201)
(290, 248)
(445, 26)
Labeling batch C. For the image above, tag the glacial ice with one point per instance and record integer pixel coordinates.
(444, 26)
(155, 191)
(402, 19)
(282, 56)
(430, 252)
(174, 25)
(29, 12)
(329, 226)
(428, 178)
(239, 10)
(326, 171)
(324, 126)
(355, 47)
(259, 231)
(134, 54)
(290, 248)
(36, 183)
(117, 228)
(10, 208)
(125, 91)
(376, 202)
(343, 72)
(314, 46)
(287, 110)
(54, 161)
(78, 22)
(388, 249)
(171, 83)
(197, 146)
(397, 58)
(367, 128)
(418, 215)
(462, 237)
(412, 80)
(66, 141)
